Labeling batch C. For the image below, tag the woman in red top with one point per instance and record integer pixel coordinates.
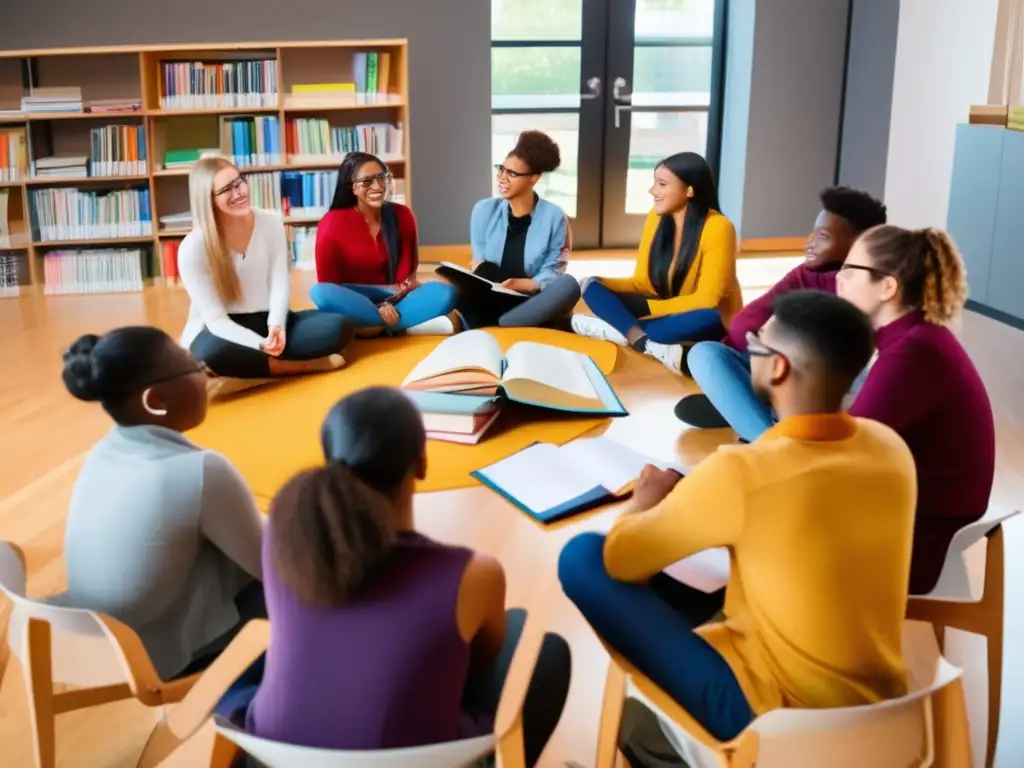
(367, 255)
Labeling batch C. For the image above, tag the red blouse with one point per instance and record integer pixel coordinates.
(346, 252)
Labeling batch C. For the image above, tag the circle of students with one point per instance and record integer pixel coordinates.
(833, 511)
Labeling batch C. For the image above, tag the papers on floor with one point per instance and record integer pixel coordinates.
(707, 571)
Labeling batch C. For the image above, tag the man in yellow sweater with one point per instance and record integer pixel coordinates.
(817, 515)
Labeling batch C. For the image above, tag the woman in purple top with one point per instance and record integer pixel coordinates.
(380, 636)
(912, 283)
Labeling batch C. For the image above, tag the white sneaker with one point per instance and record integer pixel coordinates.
(669, 355)
(438, 326)
(596, 328)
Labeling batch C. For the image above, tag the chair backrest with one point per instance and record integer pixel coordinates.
(897, 732)
(275, 754)
(83, 653)
(567, 245)
(954, 583)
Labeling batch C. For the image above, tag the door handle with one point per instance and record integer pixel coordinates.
(594, 87)
(617, 94)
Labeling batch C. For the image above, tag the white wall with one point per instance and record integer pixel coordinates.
(943, 60)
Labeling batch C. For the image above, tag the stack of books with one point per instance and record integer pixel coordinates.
(53, 100)
(456, 418)
(61, 167)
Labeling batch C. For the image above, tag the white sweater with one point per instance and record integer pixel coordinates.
(262, 271)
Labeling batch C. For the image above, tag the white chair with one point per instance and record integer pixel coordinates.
(105, 661)
(506, 742)
(927, 727)
(952, 604)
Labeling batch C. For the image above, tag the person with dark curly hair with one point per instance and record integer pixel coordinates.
(684, 287)
(367, 254)
(521, 242)
(161, 534)
(722, 369)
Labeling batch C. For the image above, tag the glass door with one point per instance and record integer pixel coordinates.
(619, 84)
(665, 67)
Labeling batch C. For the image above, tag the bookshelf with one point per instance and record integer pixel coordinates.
(96, 146)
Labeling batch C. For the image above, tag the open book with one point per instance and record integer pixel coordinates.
(529, 373)
(463, 277)
(551, 482)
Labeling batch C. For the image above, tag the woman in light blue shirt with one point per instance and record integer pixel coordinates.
(521, 242)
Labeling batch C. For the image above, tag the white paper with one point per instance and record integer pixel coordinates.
(707, 570)
(469, 349)
(551, 366)
(605, 462)
(538, 478)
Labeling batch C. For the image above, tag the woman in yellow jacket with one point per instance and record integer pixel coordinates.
(684, 287)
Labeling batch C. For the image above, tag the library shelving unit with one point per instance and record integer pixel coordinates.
(96, 146)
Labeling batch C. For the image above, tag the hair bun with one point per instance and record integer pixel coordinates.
(79, 372)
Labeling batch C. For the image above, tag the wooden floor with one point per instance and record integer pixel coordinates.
(44, 434)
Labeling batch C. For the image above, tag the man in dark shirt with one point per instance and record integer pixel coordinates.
(722, 369)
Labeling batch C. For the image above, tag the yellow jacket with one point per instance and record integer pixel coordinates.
(818, 518)
(711, 282)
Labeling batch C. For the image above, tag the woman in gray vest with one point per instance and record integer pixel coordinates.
(161, 534)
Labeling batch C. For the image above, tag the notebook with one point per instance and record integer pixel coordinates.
(463, 277)
(529, 373)
(551, 482)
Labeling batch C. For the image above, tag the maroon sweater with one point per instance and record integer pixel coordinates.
(757, 312)
(926, 388)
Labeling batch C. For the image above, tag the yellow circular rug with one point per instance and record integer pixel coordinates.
(272, 432)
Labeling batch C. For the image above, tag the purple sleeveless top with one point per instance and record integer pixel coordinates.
(386, 670)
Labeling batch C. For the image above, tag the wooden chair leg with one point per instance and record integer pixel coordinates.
(994, 614)
(611, 716)
(995, 684)
(39, 681)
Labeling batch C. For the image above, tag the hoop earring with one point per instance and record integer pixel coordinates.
(150, 409)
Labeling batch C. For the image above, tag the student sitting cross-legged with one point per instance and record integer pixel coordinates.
(817, 516)
(521, 241)
(234, 266)
(722, 368)
(684, 287)
(161, 534)
(382, 637)
(367, 254)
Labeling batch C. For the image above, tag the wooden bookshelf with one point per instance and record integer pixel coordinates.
(266, 75)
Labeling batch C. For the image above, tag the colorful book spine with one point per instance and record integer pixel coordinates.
(218, 84)
(75, 214)
(93, 271)
(118, 150)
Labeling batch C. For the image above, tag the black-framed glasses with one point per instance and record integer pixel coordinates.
(238, 181)
(198, 367)
(758, 348)
(503, 171)
(865, 268)
(366, 182)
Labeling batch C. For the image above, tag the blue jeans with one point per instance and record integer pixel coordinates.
(359, 303)
(622, 312)
(652, 628)
(723, 374)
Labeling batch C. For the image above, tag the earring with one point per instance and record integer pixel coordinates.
(149, 408)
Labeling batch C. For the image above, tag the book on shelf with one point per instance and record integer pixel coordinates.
(13, 154)
(93, 271)
(66, 213)
(44, 100)
(169, 260)
(61, 167)
(302, 247)
(456, 418)
(251, 140)
(181, 220)
(532, 374)
(551, 482)
(247, 82)
(307, 193)
(107, 106)
(465, 278)
(265, 190)
(5, 224)
(186, 158)
(10, 281)
(118, 150)
(315, 140)
(370, 84)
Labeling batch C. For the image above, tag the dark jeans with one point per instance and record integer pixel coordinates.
(482, 307)
(251, 604)
(542, 706)
(651, 625)
(309, 335)
(623, 312)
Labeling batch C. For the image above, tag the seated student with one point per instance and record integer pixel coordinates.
(234, 266)
(684, 287)
(722, 369)
(817, 516)
(912, 284)
(521, 241)
(380, 636)
(161, 534)
(367, 254)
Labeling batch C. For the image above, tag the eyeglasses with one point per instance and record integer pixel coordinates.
(198, 367)
(865, 268)
(239, 181)
(757, 348)
(503, 171)
(368, 181)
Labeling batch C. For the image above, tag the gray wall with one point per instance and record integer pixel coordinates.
(789, 75)
(872, 60)
(450, 79)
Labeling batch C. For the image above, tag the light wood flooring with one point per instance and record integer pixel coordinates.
(44, 434)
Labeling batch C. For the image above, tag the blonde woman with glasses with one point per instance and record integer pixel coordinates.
(234, 265)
